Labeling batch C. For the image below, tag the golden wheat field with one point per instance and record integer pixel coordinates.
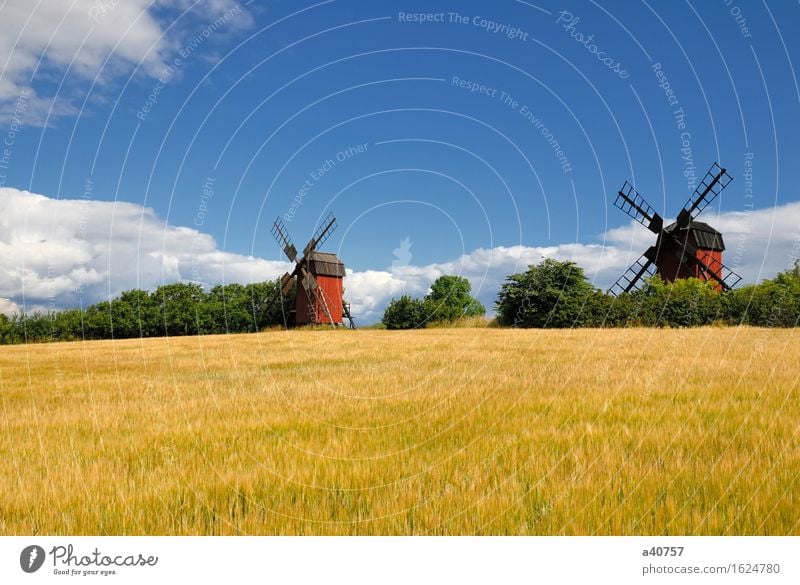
(445, 431)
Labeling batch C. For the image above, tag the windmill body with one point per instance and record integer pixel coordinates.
(708, 245)
(324, 304)
(685, 248)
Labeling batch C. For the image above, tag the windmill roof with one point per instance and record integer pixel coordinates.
(702, 226)
(326, 264)
(705, 236)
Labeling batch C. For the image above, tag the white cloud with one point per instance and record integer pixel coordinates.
(369, 292)
(41, 39)
(65, 252)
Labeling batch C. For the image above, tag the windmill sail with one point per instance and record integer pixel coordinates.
(322, 234)
(287, 282)
(710, 187)
(629, 201)
(632, 277)
(284, 241)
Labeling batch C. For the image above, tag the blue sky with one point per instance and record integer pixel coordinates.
(218, 116)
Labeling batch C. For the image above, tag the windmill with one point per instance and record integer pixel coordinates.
(318, 278)
(685, 248)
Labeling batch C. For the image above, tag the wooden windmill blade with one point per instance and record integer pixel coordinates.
(727, 277)
(321, 235)
(316, 296)
(631, 278)
(715, 271)
(281, 235)
(273, 303)
(715, 180)
(307, 279)
(633, 204)
(287, 281)
(325, 231)
(630, 202)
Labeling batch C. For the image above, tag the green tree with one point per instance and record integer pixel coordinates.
(450, 299)
(36, 327)
(262, 303)
(97, 321)
(232, 308)
(68, 325)
(404, 313)
(9, 332)
(550, 294)
(134, 314)
(180, 308)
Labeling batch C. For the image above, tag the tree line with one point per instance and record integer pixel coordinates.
(551, 294)
(556, 294)
(171, 309)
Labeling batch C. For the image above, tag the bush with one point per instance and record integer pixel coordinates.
(173, 309)
(686, 302)
(773, 303)
(404, 313)
(626, 310)
(550, 294)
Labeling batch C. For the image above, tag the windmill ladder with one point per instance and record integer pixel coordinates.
(325, 307)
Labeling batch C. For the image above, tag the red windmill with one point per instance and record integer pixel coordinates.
(318, 279)
(685, 248)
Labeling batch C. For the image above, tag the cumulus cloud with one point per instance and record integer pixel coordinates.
(59, 252)
(56, 252)
(95, 39)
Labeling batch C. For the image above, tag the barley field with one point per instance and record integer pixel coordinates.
(445, 431)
